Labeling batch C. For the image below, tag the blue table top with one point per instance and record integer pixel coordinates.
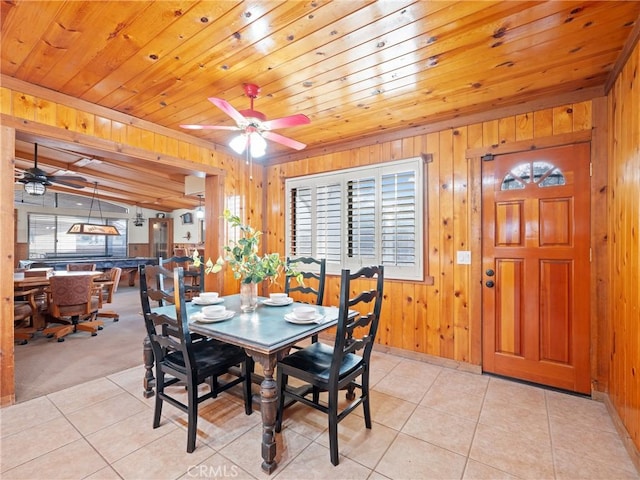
(265, 330)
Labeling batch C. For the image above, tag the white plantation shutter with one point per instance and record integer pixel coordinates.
(399, 222)
(360, 216)
(301, 212)
(328, 221)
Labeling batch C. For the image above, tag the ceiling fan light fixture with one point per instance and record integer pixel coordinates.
(200, 210)
(238, 143)
(35, 188)
(252, 123)
(258, 145)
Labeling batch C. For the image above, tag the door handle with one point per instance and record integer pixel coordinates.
(490, 283)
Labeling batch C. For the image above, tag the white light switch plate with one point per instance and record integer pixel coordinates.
(464, 257)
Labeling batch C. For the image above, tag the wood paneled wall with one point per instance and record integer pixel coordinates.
(439, 317)
(624, 237)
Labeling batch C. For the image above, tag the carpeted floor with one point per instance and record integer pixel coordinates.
(44, 365)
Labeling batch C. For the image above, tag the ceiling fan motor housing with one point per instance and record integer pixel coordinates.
(252, 115)
(252, 90)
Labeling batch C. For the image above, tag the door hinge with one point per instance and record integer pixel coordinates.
(590, 254)
(591, 169)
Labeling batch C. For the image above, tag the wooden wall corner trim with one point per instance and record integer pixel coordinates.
(600, 321)
(623, 58)
(7, 241)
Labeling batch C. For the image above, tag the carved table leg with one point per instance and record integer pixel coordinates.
(268, 409)
(149, 381)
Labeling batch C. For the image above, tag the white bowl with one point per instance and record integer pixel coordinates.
(304, 313)
(209, 296)
(278, 297)
(214, 311)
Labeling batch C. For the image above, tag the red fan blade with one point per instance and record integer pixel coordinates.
(288, 142)
(228, 109)
(290, 121)
(210, 127)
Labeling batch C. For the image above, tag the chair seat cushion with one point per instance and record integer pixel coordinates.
(71, 310)
(208, 356)
(316, 361)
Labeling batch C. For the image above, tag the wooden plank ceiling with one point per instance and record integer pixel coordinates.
(358, 69)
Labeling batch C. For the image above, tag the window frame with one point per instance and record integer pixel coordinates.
(107, 250)
(417, 165)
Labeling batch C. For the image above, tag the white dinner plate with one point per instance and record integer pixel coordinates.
(200, 301)
(290, 317)
(271, 303)
(200, 318)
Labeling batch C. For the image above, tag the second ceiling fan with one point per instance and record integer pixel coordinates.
(254, 126)
(36, 180)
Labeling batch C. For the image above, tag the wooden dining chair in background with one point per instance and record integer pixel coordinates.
(81, 267)
(341, 366)
(107, 288)
(24, 310)
(193, 276)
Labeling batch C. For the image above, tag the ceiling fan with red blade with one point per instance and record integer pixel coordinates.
(254, 125)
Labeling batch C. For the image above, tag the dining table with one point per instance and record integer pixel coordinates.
(24, 280)
(267, 337)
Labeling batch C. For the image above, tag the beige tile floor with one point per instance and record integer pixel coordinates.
(430, 422)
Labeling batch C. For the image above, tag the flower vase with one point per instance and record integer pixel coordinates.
(248, 297)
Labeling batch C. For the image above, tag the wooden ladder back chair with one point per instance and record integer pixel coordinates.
(343, 366)
(193, 277)
(73, 301)
(181, 357)
(314, 275)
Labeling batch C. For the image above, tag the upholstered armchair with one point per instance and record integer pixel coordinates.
(73, 303)
(24, 309)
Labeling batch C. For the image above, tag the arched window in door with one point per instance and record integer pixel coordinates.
(542, 174)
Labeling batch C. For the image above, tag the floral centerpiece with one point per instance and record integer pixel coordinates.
(247, 264)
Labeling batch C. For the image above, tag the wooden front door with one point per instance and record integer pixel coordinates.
(536, 268)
